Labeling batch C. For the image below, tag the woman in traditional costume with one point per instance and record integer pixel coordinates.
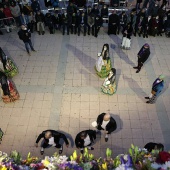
(109, 85)
(8, 90)
(126, 40)
(103, 64)
(7, 65)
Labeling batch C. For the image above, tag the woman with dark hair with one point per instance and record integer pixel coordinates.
(7, 65)
(103, 64)
(109, 85)
(154, 146)
(126, 40)
(8, 91)
(143, 55)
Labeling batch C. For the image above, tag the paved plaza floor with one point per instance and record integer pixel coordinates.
(60, 90)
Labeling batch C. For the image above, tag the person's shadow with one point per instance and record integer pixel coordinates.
(68, 136)
(136, 88)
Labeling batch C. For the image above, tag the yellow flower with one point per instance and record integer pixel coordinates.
(75, 155)
(46, 162)
(3, 168)
(104, 166)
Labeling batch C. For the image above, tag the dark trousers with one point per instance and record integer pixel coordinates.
(31, 26)
(64, 27)
(73, 29)
(119, 27)
(89, 29)
(140, 64)
(27, 44)
(112, 29)
(84, 29)
(95, 30)
(46, 145)
(18, 20)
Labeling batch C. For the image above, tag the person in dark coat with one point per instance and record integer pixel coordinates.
(81, 3)
(25, 36)
(157, 87)
(47, 3)
(66, 22)
(153, 9)
(138, 2)
(85, 139)
(122, 21)
(51, 138)
(153, 25)
(40, 19)
(107, 123)
(49, 22)
(90, 23)
(82, 23)
(143, 55)
(114, 3)
(154, 146)
(74, 21)
(35, 6)
(104, 11)
(97, 24)
(113, 23)
(95, 10)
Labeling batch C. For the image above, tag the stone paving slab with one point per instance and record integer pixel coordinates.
(60, 90)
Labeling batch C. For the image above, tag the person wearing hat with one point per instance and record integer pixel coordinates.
(85, 139)
(143, 55)
(51, 138)
(105, 122)
(157, 87)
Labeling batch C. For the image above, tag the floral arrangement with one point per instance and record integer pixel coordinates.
(135, 159)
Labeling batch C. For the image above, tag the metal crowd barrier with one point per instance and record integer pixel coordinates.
(7, 23)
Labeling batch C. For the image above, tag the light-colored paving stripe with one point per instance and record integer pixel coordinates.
(160, 107)
(58, 88)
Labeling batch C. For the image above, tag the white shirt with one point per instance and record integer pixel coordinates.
(51, 141)
(87, 141)
(104, 124)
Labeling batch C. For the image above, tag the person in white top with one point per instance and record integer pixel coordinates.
(85, 139)
(105, 122)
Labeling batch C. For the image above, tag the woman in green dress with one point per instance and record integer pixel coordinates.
(103, 63)
(7, 65)
(109, 85)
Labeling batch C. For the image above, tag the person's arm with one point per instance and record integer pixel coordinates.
(39, 138)
(65, 139)
(100, 119)
(112, 126)
(78, 141)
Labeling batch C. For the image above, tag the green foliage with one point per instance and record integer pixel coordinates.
(16, 157)
(108, 153)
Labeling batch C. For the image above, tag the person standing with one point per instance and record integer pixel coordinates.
(105, 122)
(25, 35)
(39, 17)
(143, 55)
(51, 138)
(113, 23)
(85, 139)
(35, 6)
(157, 87)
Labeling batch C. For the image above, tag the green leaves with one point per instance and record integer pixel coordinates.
(108, 153)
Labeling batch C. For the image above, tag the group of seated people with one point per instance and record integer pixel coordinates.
(154, 21)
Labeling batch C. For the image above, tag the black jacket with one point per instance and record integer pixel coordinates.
(143, 55)
(55, 134)
(4, 84)
(104, 12)
(24, 35)
(39, 18)
(98, 21)
(80, 142)
(111, 126)
(35, 6)
(122, 19)
(81, 19)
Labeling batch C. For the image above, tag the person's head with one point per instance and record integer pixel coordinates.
(104, 6)
(161, 77)
(95, 6)
(106, 47)
(74, 14)
(83, 135)
(1, 9)
(5, 6)
(71, 4)
(146, 46)
(23, 27)
(114, 12)
(23, 14)
(157, 17)
(48, 135)
(13, 3)
(106, 117)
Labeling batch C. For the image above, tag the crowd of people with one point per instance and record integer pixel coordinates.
(154, 20)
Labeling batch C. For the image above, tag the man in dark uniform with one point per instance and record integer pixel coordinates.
(51, 138)
(113, 23)
(97, 24)
(65, 22)
(85, 139)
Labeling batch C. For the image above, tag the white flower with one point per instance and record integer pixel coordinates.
(122, 167)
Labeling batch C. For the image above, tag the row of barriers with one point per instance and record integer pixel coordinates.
(8, 24)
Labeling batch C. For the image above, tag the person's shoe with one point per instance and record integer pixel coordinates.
(134, 34)
(29, 53)
(67, 33)
(143, 36)
(88, 33)
(135, 67)
(139, 35)
(34, 50)
(84, 34)
(146, 36)
(82, 151)
(43, 33)
(92, 148)
(42, 151)
(78, 34)
(146, 97)
(39, 33)
(148, 102)
(137, 71)
(160, 34)
(1, 33)
(61, 150)
(106, 139)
